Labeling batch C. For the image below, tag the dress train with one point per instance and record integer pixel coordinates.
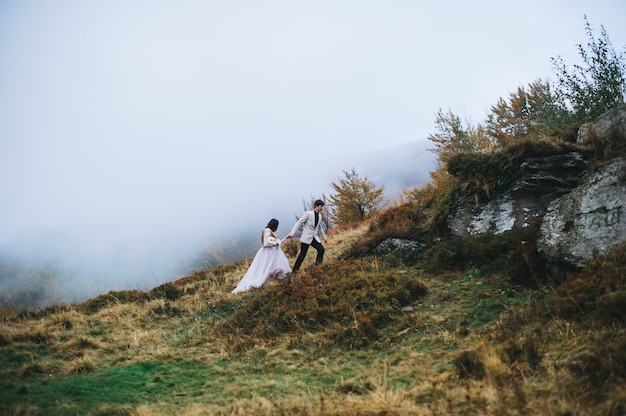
(268, 263)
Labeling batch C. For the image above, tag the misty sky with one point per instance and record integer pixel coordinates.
(134, 132)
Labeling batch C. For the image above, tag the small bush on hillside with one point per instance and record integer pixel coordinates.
(458, 253)
(165, 291)
(597, 292)
(212, 277)
(112, 298)
(469, 365)
(526, 265)
(483, 175)
(603, 368)
(611, 146)
(522, 350)
(612, 307)
(524, 149)
(350, 301)
(594, 86)
(166, 309)
(513, 252)
(434, 199)
(567, 134)
(405, 221)
(36, 314)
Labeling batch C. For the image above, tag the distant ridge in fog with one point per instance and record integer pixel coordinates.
(400, 167)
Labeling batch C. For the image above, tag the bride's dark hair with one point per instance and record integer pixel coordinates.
(273, 224)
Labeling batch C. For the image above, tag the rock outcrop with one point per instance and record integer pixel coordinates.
(578, 212)
(399, 246)
(590, 219)
(541, 180)
(607, 133)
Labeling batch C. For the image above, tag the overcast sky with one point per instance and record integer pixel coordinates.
(143, 129)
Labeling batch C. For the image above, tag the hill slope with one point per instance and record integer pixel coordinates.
(355, 336)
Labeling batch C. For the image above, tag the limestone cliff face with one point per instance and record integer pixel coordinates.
(578, 212)
(591, 218)
(540, 181)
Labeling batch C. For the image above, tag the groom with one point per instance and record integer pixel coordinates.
(310, 222)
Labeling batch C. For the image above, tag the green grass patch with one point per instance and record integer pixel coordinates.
(219, 383)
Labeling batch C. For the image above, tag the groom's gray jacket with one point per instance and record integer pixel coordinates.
(309, 229)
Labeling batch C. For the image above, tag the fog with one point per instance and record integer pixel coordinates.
(134, 135)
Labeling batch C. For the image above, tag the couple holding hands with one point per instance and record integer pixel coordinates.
(271, 263)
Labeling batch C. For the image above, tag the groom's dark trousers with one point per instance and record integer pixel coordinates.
(303, 250)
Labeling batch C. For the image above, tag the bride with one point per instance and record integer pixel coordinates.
(269, 262)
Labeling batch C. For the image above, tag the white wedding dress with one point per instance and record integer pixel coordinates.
(269, 263)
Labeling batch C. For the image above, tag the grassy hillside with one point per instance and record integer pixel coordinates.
(360, 335)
